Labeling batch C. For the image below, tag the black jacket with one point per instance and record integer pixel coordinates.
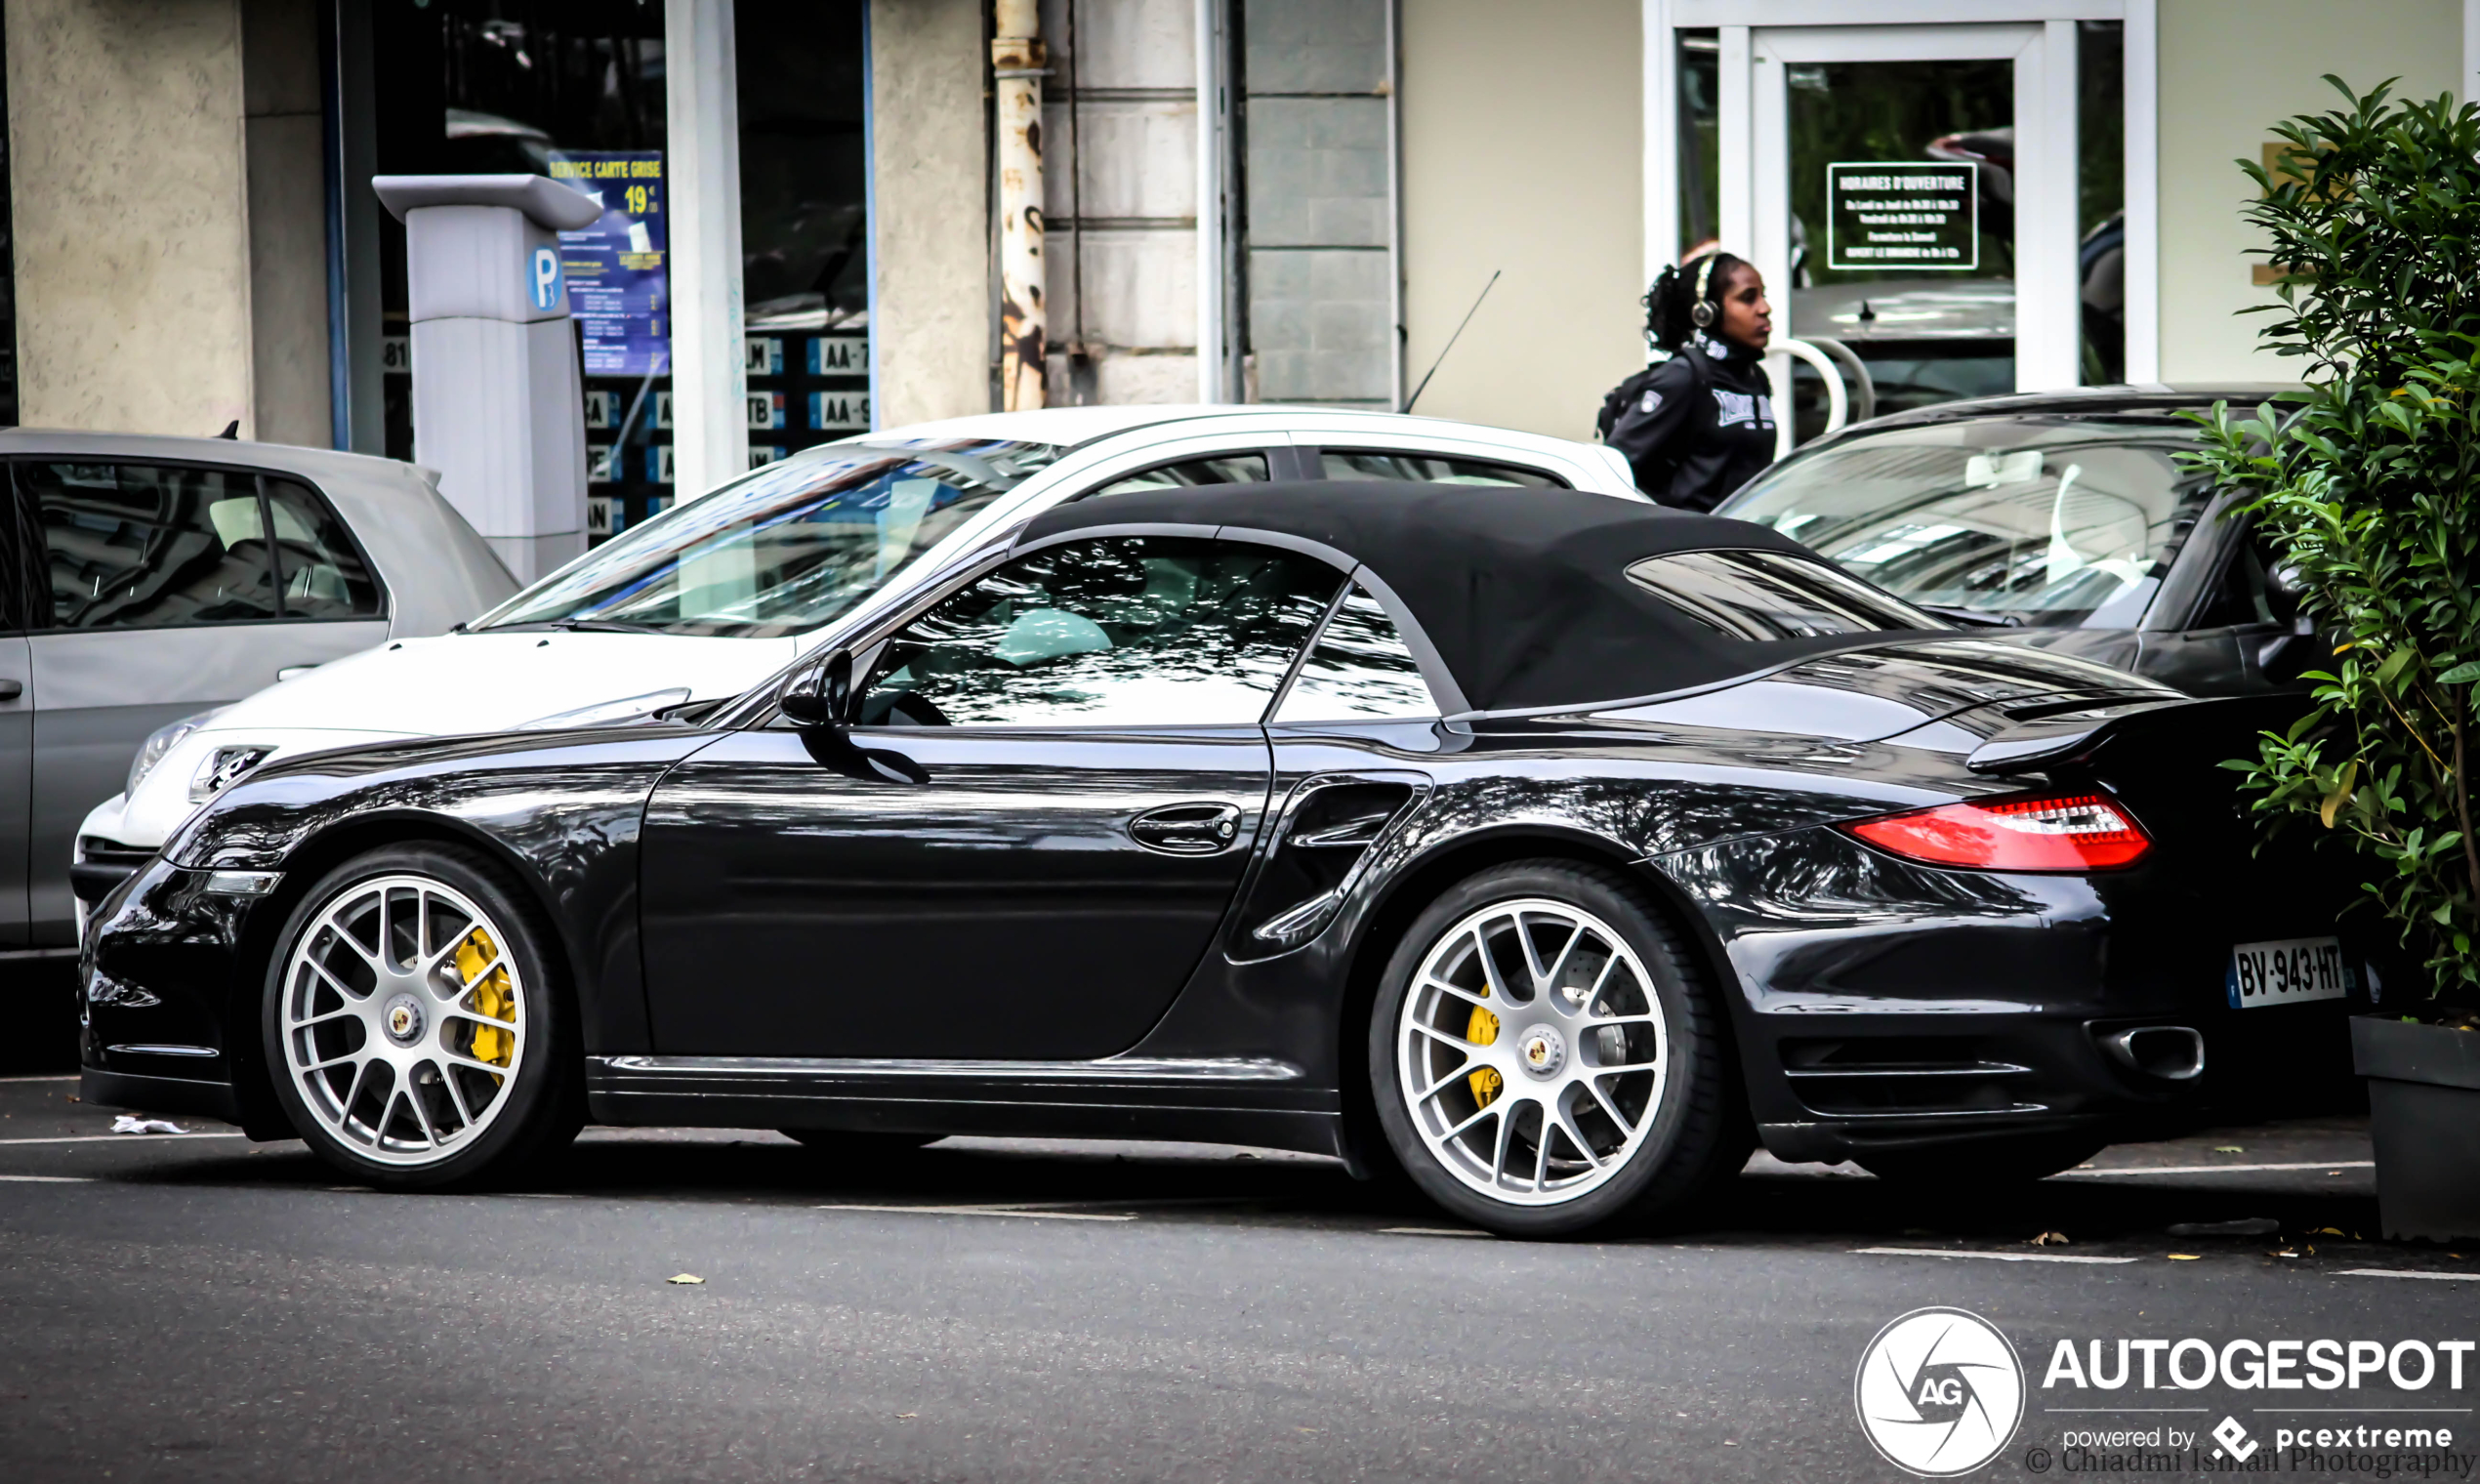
(1698, 426)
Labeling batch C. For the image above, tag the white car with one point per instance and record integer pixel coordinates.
(720, 591)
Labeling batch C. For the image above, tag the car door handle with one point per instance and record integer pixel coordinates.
(10, 690)
(1187, 829)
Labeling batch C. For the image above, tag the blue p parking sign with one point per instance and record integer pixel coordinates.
(545, 277)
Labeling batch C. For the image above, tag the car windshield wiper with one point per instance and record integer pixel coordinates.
(1977, 617)
(579, 626)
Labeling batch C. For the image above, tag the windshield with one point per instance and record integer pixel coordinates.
(2033, 520)
(784, 550)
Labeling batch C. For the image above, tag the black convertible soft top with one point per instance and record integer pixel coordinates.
(1522, 591)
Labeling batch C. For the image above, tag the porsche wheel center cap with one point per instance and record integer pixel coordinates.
(1542, 1050)
(402, 1015)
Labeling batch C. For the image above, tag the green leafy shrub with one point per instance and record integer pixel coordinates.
(2365, 487)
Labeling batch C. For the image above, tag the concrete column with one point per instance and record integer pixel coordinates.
(130, 197)
(283, 134)
(930, 224)
(710, 380)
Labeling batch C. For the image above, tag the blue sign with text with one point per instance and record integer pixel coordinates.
(618, 270)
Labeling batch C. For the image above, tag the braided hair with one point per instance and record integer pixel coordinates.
(1671, 304)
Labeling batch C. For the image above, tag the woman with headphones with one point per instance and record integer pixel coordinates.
(1700, 425)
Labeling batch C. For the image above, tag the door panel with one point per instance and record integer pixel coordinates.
(1002, 910)
(16, 791)
(99, 692)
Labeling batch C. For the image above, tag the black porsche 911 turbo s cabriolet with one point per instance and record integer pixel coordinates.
(1551, 846)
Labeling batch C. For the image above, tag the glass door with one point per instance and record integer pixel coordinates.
(1910, 193)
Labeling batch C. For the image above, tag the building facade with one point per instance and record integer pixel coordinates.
(833, 215)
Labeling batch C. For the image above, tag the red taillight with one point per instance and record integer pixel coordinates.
(2079, 831)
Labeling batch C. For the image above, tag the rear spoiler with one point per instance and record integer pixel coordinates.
(2069, 737)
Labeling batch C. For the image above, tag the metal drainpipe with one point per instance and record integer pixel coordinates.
(1016, 69)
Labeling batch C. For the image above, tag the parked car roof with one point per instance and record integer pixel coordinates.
(436, 571)
(2087, 401)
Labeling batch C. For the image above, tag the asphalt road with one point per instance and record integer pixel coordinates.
(202, 1307)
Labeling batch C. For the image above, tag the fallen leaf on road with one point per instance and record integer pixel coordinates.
(684, 1278)
(2228, 1149)
(2182, 1256)
(2050, 1239)
(2326, 1232)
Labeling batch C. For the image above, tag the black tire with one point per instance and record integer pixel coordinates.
(538, 1107)
(1983, 1162)
(1695, 1136)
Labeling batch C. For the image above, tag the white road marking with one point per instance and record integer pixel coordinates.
(2397, 1272)
(1940, 1252)
(2227, 1169)
(46, 1077)
(120, 1138)
(1428, 1231)
(986, 1210)
(50, 1180)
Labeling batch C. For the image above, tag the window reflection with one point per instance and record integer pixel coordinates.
(786, 548)
(1189, 473)
(1372, 464)
(1126, 630)
(2041, 520)
(1361, 667)
(1772, 595)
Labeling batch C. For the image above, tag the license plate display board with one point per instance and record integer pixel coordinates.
(2290, 971)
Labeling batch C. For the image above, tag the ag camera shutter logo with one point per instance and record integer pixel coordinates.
(1939, 1392)
(543, 275)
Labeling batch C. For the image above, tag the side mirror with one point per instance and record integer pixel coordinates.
(823, 694)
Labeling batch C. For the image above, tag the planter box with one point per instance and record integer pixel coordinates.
(2423, 1104)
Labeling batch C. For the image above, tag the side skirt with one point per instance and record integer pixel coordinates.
(1258, 1101)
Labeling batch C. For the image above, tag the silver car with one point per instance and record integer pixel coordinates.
(149, 579)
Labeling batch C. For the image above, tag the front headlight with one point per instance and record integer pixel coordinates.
(161, 741)
(223, 767)
(634, 708)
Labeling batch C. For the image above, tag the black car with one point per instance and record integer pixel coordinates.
(2061, 518)
(1553, 846)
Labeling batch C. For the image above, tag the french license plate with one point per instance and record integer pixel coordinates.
(2290, 971)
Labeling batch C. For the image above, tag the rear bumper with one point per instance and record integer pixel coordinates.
(1885, 1006)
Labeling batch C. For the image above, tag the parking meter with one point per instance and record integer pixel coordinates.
(498, 408)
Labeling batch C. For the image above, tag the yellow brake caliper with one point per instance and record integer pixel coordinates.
(491, 998)
(1482, 1029)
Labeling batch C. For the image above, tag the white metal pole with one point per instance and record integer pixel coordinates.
(1015, 68)
(709, 379)
(1662, 139)
(2047, 318)
(1212, 115)
(2143, 176)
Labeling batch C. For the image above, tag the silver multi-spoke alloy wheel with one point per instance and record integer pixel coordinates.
(404, 1019)
(1531, 1052)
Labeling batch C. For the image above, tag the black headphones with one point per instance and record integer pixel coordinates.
(1701, 312)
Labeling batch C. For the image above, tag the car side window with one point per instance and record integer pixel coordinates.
(317, 567)
(1132, 631)
(1376, 463)
(1361, 670)
(1187, 474)
(132, 546)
